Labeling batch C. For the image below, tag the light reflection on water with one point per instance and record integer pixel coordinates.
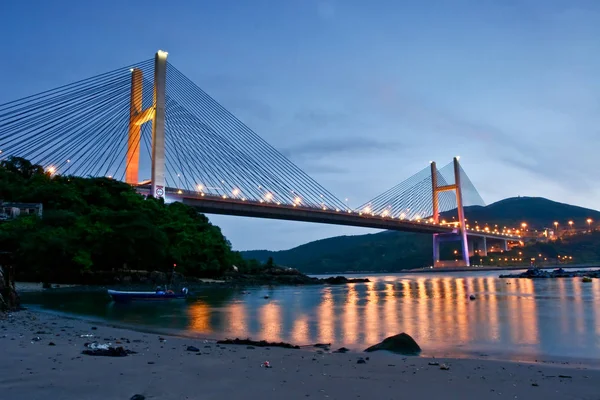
(524, 319)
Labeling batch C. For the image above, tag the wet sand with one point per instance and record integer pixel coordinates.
(32, 368)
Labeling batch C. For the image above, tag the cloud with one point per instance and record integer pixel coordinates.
(314, 168)
(254, 107)
(320, 118)
(338, 146)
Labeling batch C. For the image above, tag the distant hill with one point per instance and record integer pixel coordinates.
(393, 251)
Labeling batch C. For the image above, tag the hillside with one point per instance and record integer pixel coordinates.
(393, 251)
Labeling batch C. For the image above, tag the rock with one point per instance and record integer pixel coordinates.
(472, 297)
(322, 345)
(361, 361)
(138, 397)
(586, 279)
(51, 344)
(342, 350)
(401, 344)
(110, 352)
(434, 363)
(444, 367)
(340, 280)
(192, 348)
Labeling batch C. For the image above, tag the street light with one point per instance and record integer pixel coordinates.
(524, 225)
(571, 224)
(589, 222)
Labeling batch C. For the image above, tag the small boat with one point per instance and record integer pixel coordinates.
(124, 296)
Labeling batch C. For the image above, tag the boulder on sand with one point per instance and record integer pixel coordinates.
(401, 344)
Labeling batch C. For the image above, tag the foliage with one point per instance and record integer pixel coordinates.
(99, 224)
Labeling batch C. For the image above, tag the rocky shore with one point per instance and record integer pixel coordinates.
(44, 356)
(270, 276)
(536, 273)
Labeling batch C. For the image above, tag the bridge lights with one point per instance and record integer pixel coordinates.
(297, 201)
(179, 191)
(269, 196)
(51, 170)
(235, 191)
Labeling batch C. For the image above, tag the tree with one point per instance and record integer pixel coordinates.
(99, 224)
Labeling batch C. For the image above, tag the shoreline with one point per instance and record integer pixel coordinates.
(164, 369)
(591, 363)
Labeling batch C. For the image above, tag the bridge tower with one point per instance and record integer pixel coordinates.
(462, 229)
(138, 117)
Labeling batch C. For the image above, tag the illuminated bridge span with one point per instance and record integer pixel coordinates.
(149, 118)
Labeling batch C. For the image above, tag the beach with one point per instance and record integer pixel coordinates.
(41, 357)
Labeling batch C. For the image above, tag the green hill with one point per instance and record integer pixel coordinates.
(393, 251)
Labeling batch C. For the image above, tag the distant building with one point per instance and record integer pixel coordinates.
(10, 210)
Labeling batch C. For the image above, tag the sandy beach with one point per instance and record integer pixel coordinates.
(41, 358)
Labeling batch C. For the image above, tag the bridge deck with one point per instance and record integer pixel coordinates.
(211, 204)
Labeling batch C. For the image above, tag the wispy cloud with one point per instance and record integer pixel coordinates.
(336, 146)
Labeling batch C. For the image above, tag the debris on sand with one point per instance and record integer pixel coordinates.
(261, 343)
(105, 350)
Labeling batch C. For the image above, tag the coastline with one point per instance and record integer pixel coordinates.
(31, 368)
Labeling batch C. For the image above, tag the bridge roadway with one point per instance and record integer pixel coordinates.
(212, 204)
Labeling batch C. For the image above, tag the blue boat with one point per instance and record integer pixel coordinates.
(125, 296)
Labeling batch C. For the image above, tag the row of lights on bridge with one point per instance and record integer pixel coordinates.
(269, 197)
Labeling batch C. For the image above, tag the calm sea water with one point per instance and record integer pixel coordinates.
(511, 318)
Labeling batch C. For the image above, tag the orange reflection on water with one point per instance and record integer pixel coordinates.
(407, 307)
(580, 320)
(461, 317)
(300, 331)
(237, 319)
(326, 317)
(493, 326)
(390, 312)
(423, 316)
(350, 316)
(199, 317)
(372, 329)
(526, 313)
(564, 321)
(435, 310)
(596, 295)
(270, 321)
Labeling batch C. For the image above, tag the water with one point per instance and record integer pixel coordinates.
(523, 320)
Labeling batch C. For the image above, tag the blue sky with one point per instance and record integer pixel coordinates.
(359, 94)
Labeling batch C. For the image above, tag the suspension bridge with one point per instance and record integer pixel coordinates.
(147, 124)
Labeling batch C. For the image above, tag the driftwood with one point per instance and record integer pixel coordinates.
(259, 343)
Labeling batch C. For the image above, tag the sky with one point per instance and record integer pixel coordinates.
(359, 94)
